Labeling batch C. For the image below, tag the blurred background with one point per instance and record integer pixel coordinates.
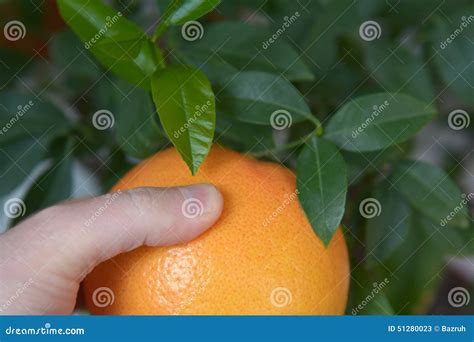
(56, 153)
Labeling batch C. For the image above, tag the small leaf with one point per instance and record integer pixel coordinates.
(322, 186)
(430, 190)
(116, 42)
(387, 230)
(373, 122)
(181, 11)
(262, 98)
(186, 106)
(237, 46)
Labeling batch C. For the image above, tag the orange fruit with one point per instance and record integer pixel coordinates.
(260, 257)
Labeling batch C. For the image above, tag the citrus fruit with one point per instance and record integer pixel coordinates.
(260, 257)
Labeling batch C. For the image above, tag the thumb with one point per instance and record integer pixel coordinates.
(57, 247)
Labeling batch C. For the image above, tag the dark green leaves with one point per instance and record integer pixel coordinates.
(117, 43)
(453, 50)
(186, 106)
(432, 192)
(322, 186)
(27, 127)
(255, 96)
(389, 227)
(230, 47)
(376, 121)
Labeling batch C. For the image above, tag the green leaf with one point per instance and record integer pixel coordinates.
(255, 97)
(186, 106)
(235, 46)
(399, 70)
(388, 229)
(453, 49)
(119, 44)
(322, 185)
(430, 190)
(54, 185)
(376, 121)
(181, 11)
(138, 133)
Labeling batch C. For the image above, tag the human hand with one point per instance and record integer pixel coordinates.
(44, 259)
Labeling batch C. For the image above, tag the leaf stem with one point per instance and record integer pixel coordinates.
(285, 146)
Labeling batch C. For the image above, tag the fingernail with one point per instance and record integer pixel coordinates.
(200, 199)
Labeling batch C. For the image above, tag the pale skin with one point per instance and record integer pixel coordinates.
(44, 258)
